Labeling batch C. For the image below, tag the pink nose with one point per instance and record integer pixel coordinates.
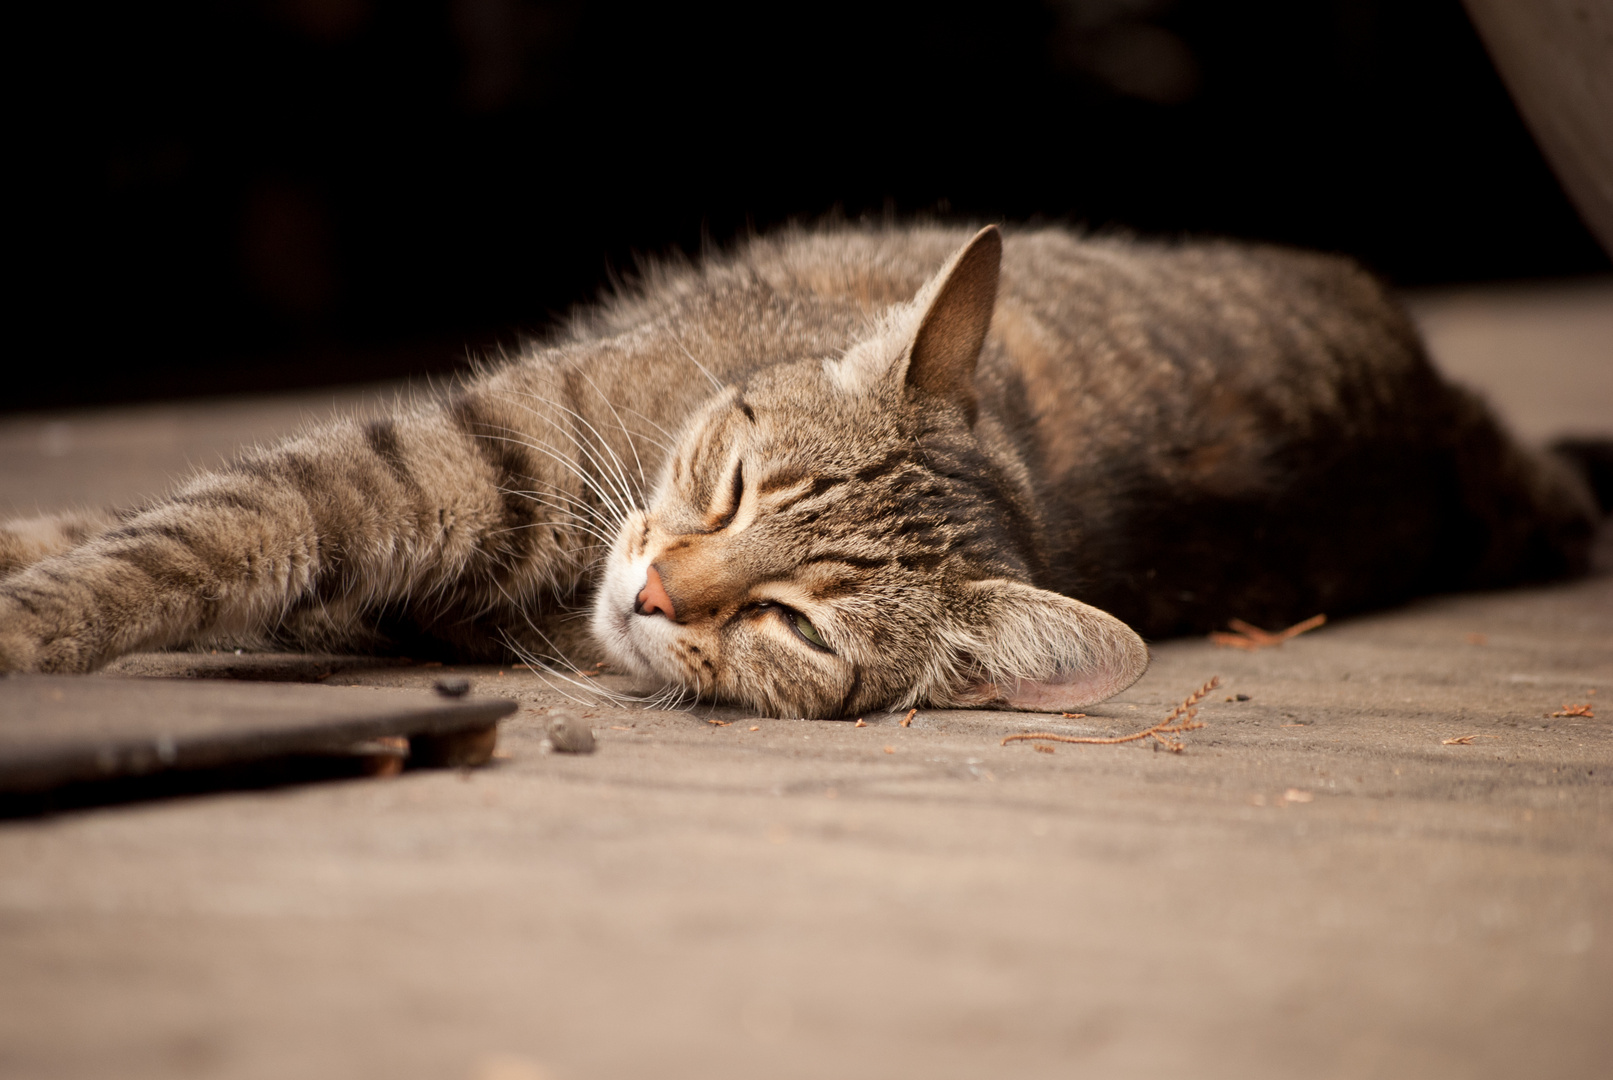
(653, 598)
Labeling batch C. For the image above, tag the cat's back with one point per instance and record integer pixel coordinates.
(1106, 318)
(1099, 309)
(1137, 353)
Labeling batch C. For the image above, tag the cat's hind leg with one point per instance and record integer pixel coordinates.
(1518, 514)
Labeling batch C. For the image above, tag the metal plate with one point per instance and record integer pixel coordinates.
(58, 729)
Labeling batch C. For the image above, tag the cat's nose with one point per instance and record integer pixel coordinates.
(653, 598)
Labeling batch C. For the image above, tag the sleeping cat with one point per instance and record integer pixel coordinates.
(852, 468)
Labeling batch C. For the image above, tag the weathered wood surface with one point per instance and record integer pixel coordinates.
(60, 729)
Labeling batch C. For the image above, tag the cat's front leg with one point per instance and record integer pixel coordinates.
(25, 541)
(349, 520)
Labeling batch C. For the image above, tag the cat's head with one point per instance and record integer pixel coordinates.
(832, 538)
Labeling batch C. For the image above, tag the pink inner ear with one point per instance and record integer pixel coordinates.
(1076, 691)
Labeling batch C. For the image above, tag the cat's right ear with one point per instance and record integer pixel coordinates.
(952, 332)
(931, 346)
(1036, 650)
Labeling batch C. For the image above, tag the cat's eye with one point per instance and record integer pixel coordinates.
(804, 627)
(735, 495)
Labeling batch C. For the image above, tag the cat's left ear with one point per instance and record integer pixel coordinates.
(1043, 652)
(947, 346)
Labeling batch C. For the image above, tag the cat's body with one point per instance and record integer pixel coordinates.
(856, 495)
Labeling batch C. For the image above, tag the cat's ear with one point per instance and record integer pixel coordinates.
(1042, 652)
(962, 297)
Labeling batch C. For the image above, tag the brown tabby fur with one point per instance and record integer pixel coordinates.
(874, 431)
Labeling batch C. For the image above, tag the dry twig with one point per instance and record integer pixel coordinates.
(1182, 718)
(907, 721)
(1251, 638)
(1465, 740)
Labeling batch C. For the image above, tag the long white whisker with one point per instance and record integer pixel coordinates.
(626, 434)
(588, 482)
(557, 656)
(535, 663)
(664, 447)
(720, 387)
(615, 491)
(621, 483)
(579, 526)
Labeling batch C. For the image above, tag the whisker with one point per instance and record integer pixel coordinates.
(629, 435)
(620, 480)
(720, 387)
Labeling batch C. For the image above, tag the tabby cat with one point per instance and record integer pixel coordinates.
(851, 468)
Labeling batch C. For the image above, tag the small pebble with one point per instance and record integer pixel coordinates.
(570, 734)
(454, 688)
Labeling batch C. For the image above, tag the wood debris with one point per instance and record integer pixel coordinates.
(1251, 638)
(756, 727)
(719, 723)
(859, 723)
(1183, 718)
(1465, 740)
(907, 721)
(1042, 748)
(384, 755)
(1073, 715)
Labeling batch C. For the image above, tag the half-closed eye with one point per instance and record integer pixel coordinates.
(736, 493)
(795, 621)
(803, 626)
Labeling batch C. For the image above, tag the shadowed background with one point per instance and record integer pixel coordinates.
(222, 196)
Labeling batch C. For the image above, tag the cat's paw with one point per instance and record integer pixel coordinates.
(19, 651)
(31, 643)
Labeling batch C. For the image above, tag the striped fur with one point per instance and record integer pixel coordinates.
(948, 472)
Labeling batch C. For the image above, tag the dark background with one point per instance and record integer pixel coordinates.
(228, 195)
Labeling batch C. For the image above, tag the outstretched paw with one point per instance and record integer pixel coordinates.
(35, 635)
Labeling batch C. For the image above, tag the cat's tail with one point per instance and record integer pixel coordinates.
(1593, 460)
(26, 541)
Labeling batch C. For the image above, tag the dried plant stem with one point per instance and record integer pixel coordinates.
(1182, 718)
(1251, 638)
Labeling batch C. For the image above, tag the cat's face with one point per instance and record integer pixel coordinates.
(805, 550)
(831, 538)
